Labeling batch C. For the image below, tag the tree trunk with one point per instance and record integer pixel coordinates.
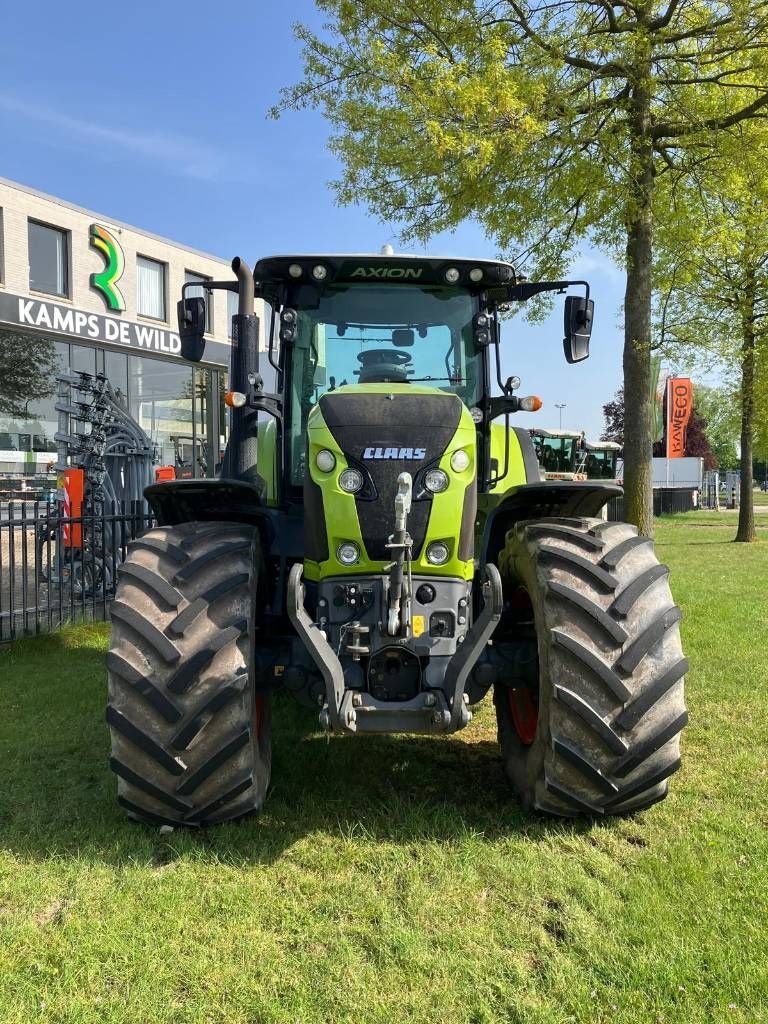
(746, 528)
(638, 432)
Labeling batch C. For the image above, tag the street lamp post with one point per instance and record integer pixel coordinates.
(560, 406)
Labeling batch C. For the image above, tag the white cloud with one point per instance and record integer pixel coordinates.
(593, 262)
(188, 158)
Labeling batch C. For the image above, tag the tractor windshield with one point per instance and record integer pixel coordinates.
(378, 333)
(601, 465)
(555, 454)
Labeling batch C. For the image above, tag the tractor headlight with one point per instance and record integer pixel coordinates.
(476, 274)
(325, 460)
(348, 553)
(351, 480)
(452, 275)
(438, 553)
(319, 272)
(295, 270)
(436, 480)
(459, 461)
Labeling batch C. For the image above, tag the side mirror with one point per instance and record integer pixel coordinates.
(402, 337)
(578, 327)
(191, 315)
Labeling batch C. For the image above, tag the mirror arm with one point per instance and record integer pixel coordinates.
(262, 401)
(527, 289)
(503, 405)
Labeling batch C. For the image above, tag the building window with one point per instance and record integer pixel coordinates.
(48, 259)
(199, 292)
(150, 288)
(2, 268)
(232, 303)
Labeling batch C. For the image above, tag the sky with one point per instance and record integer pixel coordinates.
(156, 114)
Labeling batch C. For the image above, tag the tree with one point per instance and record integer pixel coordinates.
(613, 413)
(27, 370)
(546, 120)
(718, 295)
(697, 441)
(719, 409)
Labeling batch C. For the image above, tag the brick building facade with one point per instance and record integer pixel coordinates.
(82, 291)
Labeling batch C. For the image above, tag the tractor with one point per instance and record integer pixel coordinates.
(380, 544)
(601, 460)
(561, 453)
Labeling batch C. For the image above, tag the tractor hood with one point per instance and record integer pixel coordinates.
(383, 430)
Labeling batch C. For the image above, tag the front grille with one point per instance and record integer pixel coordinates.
(395, 421)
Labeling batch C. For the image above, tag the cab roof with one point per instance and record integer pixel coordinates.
(350, 268)
(603, 446)
(543, 432)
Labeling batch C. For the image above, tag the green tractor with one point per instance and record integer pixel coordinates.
(601, 460)
(381, 545)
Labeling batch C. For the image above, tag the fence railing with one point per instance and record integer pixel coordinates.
(665, 500)
(56, 569)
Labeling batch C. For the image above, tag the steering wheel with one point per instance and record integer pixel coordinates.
(380, 365)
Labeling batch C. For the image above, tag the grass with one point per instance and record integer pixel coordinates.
(394, 879)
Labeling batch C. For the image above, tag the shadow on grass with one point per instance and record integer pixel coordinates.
(57, 795)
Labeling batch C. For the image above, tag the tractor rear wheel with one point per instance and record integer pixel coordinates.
(600, 733)
(190, 736)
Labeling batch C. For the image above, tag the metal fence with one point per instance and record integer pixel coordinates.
(665, 500)
(56, 569)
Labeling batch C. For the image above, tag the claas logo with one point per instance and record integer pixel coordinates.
(413, 454)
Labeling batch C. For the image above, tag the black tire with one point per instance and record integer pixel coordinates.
(604, 734)
(190, 736)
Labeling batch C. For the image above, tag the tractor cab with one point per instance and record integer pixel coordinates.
(601, 460)
(562, 454)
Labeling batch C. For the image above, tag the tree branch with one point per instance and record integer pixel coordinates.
(607, 70)
(669, 130)
(666, 17)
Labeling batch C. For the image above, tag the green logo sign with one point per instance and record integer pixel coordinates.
(106, 281)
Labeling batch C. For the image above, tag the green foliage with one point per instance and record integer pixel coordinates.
(27, 371)
(613, 414)
(719, 408)
(520, 115)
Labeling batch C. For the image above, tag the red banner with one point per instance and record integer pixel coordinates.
(679, 405)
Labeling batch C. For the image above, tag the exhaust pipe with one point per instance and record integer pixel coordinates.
(244, 361)
(242, 272)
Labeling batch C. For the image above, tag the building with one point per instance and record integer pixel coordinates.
(82, 291)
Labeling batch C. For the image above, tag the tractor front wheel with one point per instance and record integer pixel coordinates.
(190, 735)
(599, 733)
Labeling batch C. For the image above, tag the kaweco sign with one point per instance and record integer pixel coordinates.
(56, 318)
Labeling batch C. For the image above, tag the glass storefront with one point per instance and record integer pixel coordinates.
(179, 406)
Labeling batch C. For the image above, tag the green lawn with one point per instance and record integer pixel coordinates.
(394, 879)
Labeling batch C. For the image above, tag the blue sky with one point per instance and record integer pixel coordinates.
(156, 114)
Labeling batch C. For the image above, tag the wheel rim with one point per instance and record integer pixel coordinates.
(525, 714)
